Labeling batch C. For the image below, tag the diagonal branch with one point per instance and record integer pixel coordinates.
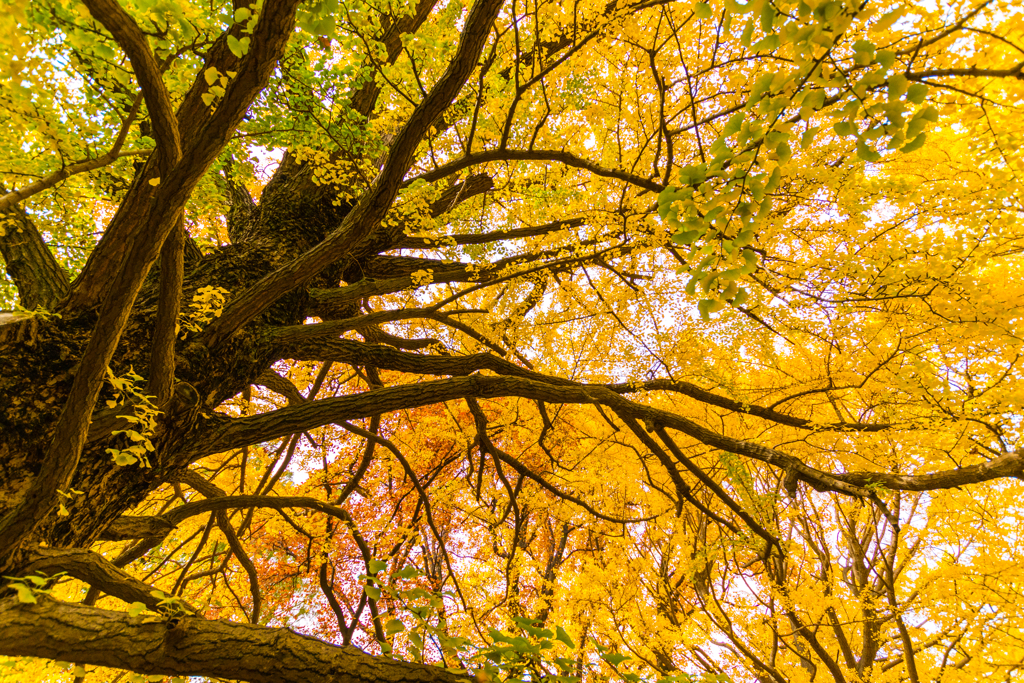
(364, 217)
(158, 101)
(194, 647)
(37, 275)
(94, 570)
(84, 166)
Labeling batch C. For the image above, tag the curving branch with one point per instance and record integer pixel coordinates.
(246, 562)
(561, 156)
(194, 647)
(221, 434)
(309, 346)
(143, 526)
(94, 570)
(158, 101)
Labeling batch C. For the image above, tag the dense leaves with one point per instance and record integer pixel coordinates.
(647, 341)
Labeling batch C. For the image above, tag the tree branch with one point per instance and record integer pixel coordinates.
(310, 347)
(94, 570)
(364, 217)
(245, 561)
(158, 100)
(165, 330)
(224, 434)
(194, 647)
(36, 274)
(563, 157)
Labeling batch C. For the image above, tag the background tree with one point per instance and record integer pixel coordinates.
(691, 330)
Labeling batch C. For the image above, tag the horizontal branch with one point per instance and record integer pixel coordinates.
(349, 351)
(194, 647)
(563, 157)
(488, 237)
(94, 570)
(84, 166)
(222, 434)
(977, 72)
(144, 526)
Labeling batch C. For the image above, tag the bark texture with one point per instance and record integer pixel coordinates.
(197, 647)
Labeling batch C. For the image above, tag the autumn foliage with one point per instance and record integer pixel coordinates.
(640, 341)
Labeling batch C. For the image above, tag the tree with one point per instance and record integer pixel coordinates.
(676, 339)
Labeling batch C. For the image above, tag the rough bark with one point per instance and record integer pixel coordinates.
(191, 646)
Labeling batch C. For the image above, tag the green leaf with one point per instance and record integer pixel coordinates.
(733, 125)
(687, 237)
(928, 114)
(767, 17)
(105, 51)
(887, 20)
(866, 153)
(898, 85)
(885, 59)
(235, 45)
(917, 92)
(844, 128)
(784, 152)
(702, 10)
(241, 14)
(561, 635)
(915, 144)
(808, 137)
(394, 626)
(407, 572)
(748, 33)
(25, 593)
(372, 592)
(766, 44)
(615, 659)
(376, 566)
(703, 307)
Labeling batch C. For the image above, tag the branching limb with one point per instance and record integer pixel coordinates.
(222, 434)
(245, 561)
(84, 166)
(94, 570)
(489, 446)
(147, 526)
(366, 215)
(349, 351)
